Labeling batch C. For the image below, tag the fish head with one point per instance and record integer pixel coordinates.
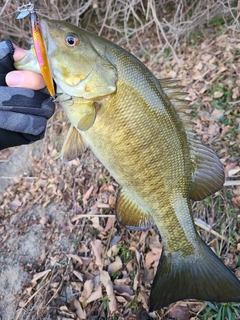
(77, 65)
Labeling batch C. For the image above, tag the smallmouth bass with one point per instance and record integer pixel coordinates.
(140, 128)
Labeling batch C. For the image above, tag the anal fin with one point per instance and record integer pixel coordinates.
(130, 214)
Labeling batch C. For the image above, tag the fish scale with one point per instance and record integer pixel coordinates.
(140, 128)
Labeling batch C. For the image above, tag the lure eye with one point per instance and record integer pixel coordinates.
(71, 40)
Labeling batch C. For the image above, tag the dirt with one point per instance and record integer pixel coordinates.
(23, 252)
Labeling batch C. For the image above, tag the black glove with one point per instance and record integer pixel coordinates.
(23, 112)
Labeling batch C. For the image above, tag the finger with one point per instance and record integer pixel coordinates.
(19, 53)
(25, 79)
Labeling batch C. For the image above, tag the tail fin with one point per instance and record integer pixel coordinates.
(200, 276)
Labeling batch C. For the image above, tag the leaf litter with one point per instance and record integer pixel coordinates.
(57, 226)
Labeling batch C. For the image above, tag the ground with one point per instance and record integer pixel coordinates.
(63, 255)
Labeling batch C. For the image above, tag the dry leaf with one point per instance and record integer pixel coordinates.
(15, 203)
(121, 299)
(206, 57)
(87, 195)
(217, 94)
(101, 205)
(171, 74)
(115, 266)
(180, 312)
(106, 281)
(112, 201)
(234, 171)
(217, 114)
(137, 254)
(143, 297)
(79, 275)
(153, 256)
(40, 275)
(97, 251)
(75, 257)
(199, 66)
(231, 260)
(236, 201)
(87, 290)
(110, 223)
(96, 223)
(75, 305)
(95, 295)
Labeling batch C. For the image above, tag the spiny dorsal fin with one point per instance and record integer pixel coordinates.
(174, 93)
(73, 145)
(130, 215)
(207, 170)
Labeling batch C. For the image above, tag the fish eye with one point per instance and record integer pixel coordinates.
(71, 40)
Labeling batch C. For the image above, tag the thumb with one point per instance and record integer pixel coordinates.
(25, 79)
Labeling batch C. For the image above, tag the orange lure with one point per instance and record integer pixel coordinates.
(39, 45)
(41, 52)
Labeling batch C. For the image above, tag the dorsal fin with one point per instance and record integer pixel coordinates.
(207, 170)
(207, 173)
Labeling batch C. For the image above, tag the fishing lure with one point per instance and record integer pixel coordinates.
(39, 45)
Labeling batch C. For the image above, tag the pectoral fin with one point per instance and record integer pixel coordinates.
(81, 113)
(87, 120)
(73, 145)
(130, 215)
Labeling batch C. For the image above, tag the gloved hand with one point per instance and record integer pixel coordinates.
(23, 111)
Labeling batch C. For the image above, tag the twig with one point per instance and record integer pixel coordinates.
(80, 216)
(32, 296)
(231, 183)
(209, 229)
(4, 7)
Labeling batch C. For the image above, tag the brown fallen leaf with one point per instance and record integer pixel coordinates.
(75, 257)
(107, 283)
(236, 201)
(40, 275)
(75, 305)
(110, 223)
(95, 295)
(115, 266)
(87, 195)
(233, 172)
(78, 274)
(153, 256)
(180, 312)
(65, 312)
(217, 114)
(15, 203)
(97, 250)
(231, 260)
(217, 94)
(87, 290)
